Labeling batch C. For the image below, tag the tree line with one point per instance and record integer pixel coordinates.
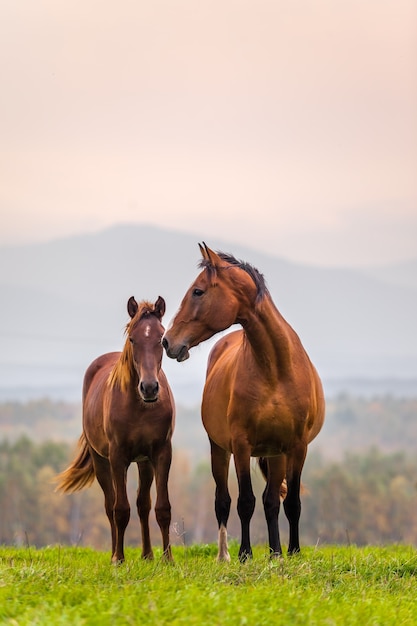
(365, 498)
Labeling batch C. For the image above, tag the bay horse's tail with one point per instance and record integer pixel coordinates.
(263, 466)
(80, 473)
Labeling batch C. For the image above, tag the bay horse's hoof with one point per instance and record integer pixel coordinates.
(245, 556)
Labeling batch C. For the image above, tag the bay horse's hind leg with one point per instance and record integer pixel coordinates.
(103, 475)
(292, 502)
(220, 460)
(274, 472)
(143, 503)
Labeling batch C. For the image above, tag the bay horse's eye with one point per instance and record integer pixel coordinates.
(131, 340)
(198, 292)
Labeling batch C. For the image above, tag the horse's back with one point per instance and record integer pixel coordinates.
(98, 370)
(318, 405)
(94, 390)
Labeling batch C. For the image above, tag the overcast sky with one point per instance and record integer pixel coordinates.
(289, 126)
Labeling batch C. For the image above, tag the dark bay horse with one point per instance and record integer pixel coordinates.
(128, 416)
(262, 396)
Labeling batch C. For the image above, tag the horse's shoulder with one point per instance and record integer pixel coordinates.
(225, 345)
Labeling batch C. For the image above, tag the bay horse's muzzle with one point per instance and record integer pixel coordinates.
(180, 352)
(149, 391)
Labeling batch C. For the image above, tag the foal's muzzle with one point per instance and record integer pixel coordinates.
(149, 391)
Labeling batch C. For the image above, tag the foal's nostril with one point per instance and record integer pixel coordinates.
(164, 343)
(149, 390)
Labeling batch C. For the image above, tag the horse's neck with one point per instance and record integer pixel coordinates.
(270, 338)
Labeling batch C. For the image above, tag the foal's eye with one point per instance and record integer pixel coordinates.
(131, 340)
(198, 292)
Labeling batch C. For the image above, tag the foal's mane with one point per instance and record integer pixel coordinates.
(120, 375)
(257, 277)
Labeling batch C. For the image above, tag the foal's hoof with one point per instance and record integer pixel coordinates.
(167, 556)
(116, 562)
(223, 557)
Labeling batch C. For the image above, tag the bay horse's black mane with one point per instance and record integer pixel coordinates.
(257, 277)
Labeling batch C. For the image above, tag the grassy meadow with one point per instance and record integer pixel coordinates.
(325, 585)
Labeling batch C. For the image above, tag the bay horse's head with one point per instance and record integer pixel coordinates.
(215, 301)
(143, 346)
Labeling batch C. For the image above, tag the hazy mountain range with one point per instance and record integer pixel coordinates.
(64, 302)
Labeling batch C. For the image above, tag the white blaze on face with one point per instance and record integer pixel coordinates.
(147, 331)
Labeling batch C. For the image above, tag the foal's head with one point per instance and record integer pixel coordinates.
(215, 301)
(144, 333)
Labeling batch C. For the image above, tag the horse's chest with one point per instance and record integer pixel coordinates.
(272, 426)
(140, 437)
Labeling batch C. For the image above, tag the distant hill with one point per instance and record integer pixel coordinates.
(64, 302)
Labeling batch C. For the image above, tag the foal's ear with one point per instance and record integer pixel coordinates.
(132, 307)
(160, 307)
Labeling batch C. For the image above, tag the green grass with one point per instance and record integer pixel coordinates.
(325, 585)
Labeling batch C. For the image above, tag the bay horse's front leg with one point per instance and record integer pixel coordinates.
(271, 501)
(121, 511)
(220, 460)
(162, 464)
(246, 498)
(292, 502)
(143, 503)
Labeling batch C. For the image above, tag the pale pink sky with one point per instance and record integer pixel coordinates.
(287, 126)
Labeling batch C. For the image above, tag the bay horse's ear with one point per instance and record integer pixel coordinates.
(203, 249)
(211, 256)
(132, 307)
(160, 307)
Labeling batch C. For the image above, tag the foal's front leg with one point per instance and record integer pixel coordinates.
(143, 503)
(162, 464)
(121, 511)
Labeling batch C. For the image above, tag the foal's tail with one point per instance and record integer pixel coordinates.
(263, 466)
(80, 473)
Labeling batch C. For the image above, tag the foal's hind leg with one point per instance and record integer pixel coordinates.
(275, 474)
(292, 502)
(103, 475)
(220, 460)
